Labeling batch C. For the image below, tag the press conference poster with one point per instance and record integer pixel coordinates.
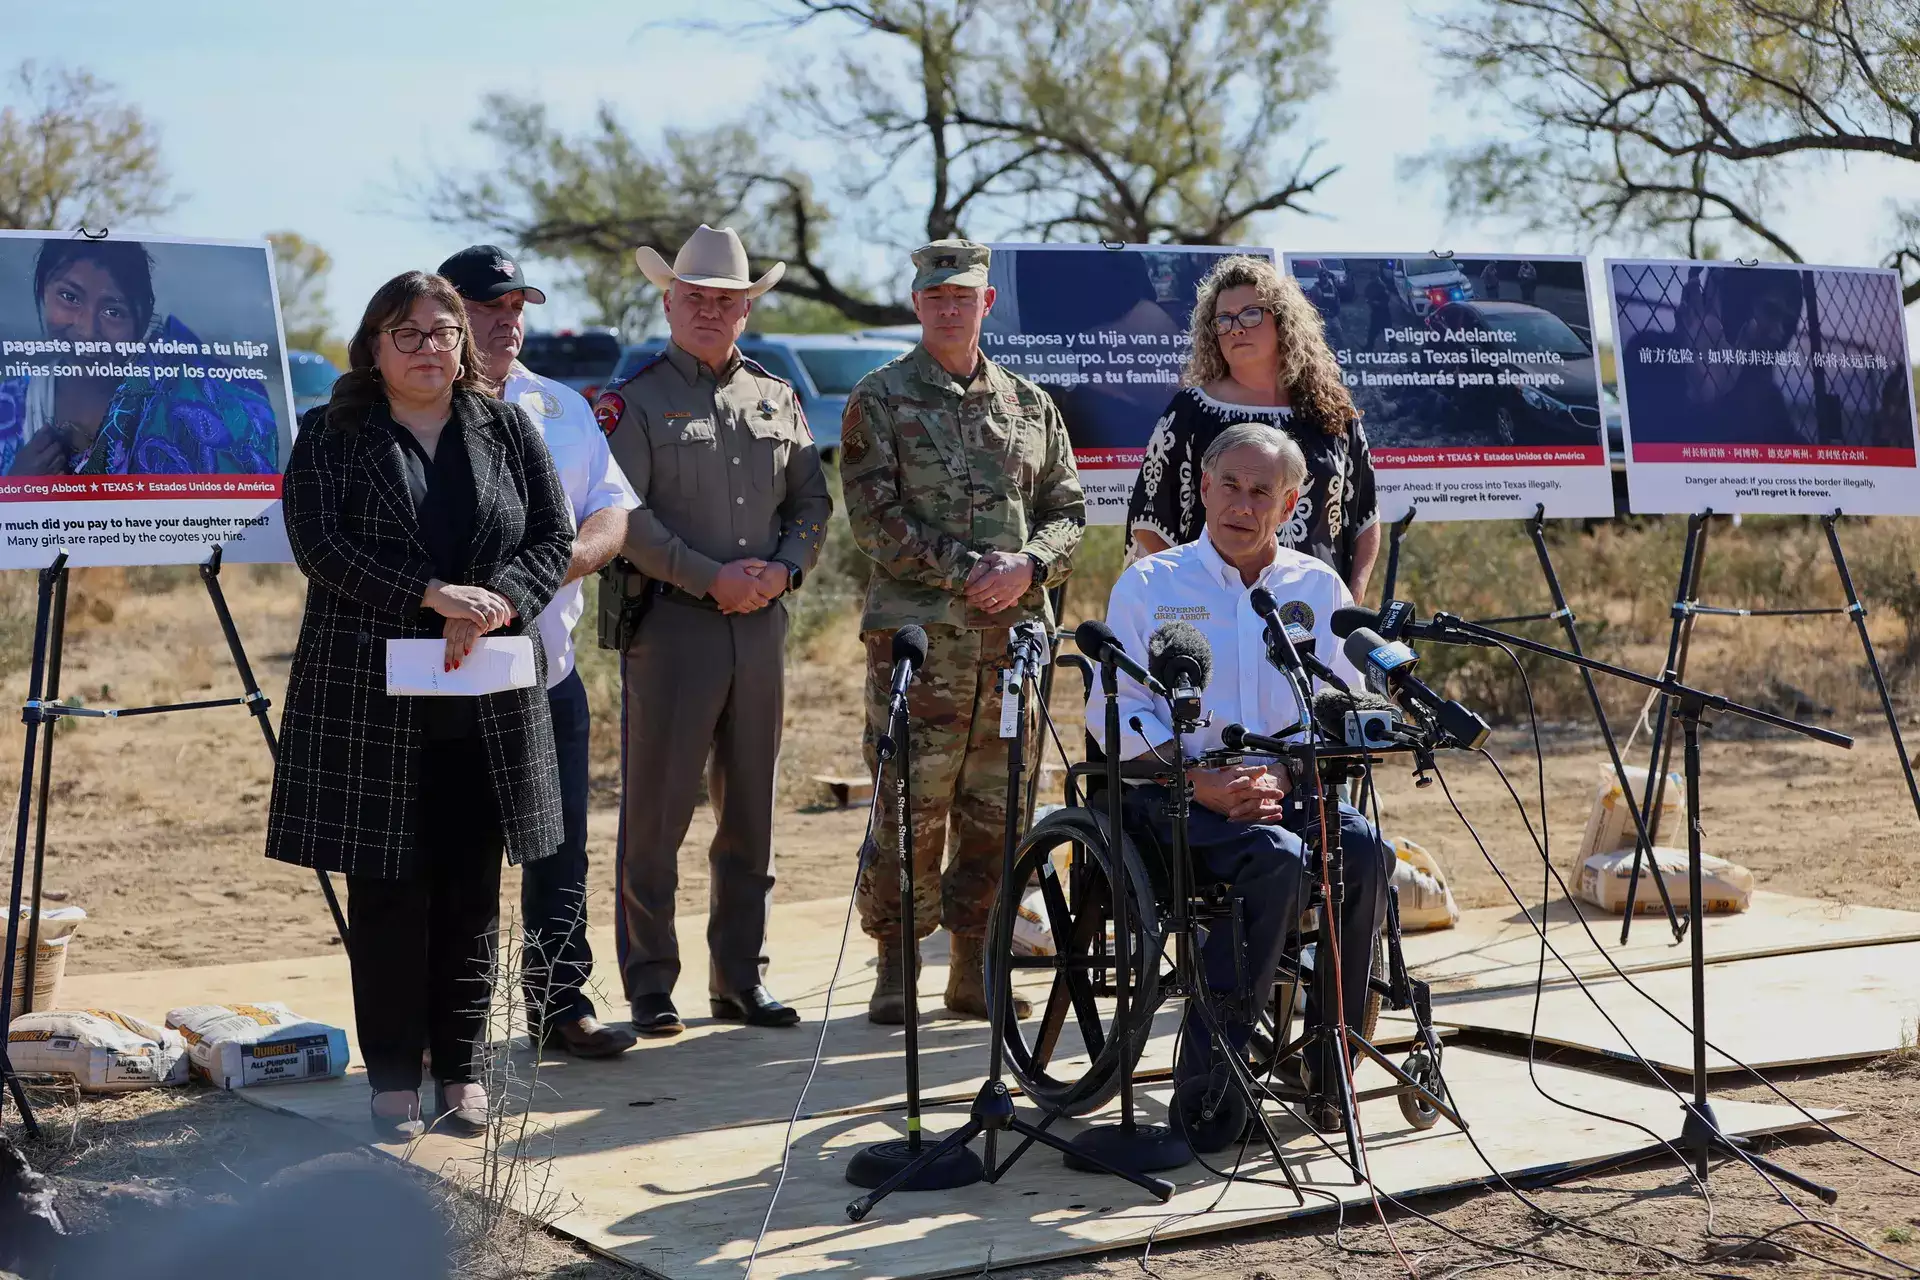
(145, 408)
(1476, 376)
(1768, 388)
(1106, 330)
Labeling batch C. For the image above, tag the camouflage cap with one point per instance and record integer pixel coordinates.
(961, 262)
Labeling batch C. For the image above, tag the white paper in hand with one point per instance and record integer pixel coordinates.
(417, 667)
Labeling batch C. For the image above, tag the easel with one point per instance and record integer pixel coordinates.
(1687, 607)
(43, 707)
(1645, 821)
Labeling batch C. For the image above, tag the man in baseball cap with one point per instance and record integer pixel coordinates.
(557, 961)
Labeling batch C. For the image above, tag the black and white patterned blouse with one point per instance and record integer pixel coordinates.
(1336, 502)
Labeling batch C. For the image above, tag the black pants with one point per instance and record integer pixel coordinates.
(422, 949)
(553, 890)
(1265, 868)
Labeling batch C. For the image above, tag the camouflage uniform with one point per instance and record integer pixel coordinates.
(937, 471)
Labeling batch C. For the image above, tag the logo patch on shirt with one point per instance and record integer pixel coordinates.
(1297, 613)
(608, 410)
(546, 404)
(1182, 613)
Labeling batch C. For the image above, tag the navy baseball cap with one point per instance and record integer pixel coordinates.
(484, 272)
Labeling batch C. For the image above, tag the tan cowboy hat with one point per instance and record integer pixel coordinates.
(711, 257)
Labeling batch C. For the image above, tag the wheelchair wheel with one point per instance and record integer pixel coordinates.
(1067, 1054)
(1421, 1066)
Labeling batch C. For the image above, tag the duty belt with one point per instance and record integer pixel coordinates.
(667, 591)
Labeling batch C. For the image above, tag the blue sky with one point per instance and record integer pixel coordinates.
(311, 118)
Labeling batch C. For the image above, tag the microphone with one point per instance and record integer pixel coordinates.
(1097, 641)
(1028, 649)
(1236, 737)
(1359, 719)
(1291, 647)
(1388, 666)
(1180, 658)
(909, 655)
(1397, 622)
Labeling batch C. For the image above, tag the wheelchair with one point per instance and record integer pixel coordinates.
(1067, 1055)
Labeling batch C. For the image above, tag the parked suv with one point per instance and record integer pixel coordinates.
(821, 366)
(582, 359)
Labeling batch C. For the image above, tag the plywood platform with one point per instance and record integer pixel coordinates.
(668, 1155)
(1496, 948)
(1783, 1011)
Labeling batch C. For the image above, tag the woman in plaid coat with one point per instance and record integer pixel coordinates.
(418, 507)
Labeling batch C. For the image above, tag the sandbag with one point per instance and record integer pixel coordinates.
(57, 928)
(99, 1050)
(1610, 824)
(243, 1045)
(1426, 903)
(1725, 887)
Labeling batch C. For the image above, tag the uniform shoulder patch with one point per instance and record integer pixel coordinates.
(608, 410)
(612, 405)
(853, 432)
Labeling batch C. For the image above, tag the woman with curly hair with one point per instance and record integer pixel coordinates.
(1259, 356)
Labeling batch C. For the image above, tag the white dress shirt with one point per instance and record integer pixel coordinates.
(593, 482)
(1193, 584)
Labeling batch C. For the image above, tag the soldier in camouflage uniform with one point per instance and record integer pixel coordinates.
(960, 487)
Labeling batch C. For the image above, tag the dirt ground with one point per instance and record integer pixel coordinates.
(156, 823)
(156, 828)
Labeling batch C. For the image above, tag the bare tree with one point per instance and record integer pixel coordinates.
(300, 271)
(1681, 120)
(71, 153)
(1135, 120)
(1130, 120)
(589, 199)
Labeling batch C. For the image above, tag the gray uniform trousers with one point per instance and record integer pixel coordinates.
(696, 681)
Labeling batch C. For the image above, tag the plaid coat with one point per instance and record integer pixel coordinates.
(346, 783)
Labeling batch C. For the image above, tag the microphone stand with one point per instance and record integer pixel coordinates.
(992, 1111)
(1126, 1145)
(1690, 706)
(893, 1164)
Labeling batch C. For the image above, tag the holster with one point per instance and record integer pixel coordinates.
(625, 596)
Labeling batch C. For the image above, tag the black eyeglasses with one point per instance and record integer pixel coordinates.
(409, 340)
(1245, 318)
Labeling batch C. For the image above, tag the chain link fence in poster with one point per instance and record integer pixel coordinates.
(1770, 388)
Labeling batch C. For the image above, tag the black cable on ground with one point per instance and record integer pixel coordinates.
(1553, 876)
(826, 1020)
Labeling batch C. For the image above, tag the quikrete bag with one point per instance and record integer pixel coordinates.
(243, 1045)
(99, 1050)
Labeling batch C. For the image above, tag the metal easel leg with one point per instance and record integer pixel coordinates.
(1858, 612)
(1395, 533)
(56, 636)
(1659, 757)
(259, 704)
(32, 714)
(1563, 613)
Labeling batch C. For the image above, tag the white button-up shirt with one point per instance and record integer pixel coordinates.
(593, 482)
(1193, 584)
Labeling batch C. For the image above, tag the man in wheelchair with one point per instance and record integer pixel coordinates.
(1245, 824)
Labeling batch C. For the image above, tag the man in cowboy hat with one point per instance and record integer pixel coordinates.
(961, 488)
(733, 508)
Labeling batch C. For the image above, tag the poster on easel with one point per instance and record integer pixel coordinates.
(146, 411)
(1476, 376)
(1107, 330)
(1764, 388)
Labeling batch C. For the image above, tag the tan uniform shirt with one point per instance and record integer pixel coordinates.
(725, 467)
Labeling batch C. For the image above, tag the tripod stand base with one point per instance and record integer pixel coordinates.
(1138, 1148)
(1702, 1135)
(956, 1167)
